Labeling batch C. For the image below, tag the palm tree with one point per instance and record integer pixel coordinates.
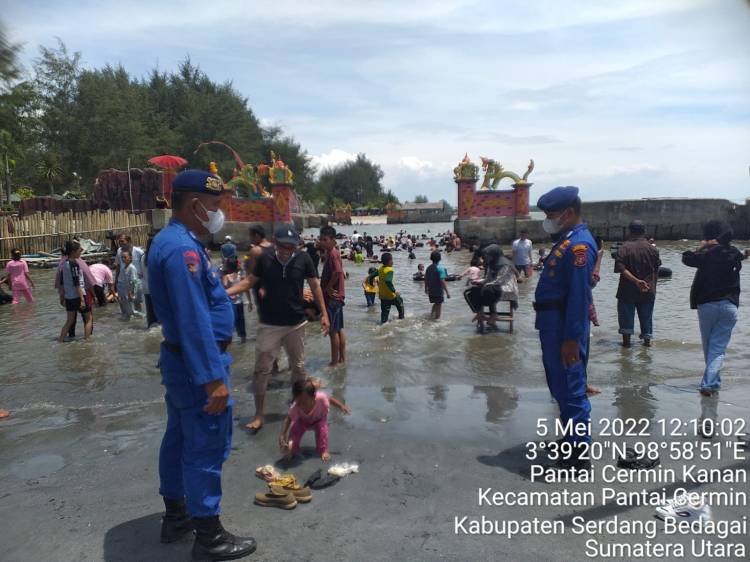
(49, 170)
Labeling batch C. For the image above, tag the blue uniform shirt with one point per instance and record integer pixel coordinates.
(192, 305)
(567, 279)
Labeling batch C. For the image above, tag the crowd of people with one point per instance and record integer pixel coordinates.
(200, 307)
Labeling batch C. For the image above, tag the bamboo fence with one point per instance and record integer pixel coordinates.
(45, 231)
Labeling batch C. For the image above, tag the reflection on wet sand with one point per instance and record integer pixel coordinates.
(501, 401)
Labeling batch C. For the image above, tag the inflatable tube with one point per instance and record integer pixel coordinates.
(452, 277)
(664, 272)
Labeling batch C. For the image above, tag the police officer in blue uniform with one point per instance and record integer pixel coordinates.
(197, 322)
(563, 297)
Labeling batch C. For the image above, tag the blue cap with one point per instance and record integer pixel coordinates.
(198, 181)
(286, 234)
(558, 199)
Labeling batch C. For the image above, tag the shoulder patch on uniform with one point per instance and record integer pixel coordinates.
(192, 260)
(580, 252)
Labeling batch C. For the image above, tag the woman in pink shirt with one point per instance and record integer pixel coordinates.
(309, 410)
(18, 275)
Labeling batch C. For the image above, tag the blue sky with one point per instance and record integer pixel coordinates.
(625, 99)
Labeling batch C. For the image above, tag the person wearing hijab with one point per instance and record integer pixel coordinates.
(487, 291)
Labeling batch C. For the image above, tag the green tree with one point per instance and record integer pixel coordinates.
(49, 170)
(390, 197)
(201, 110)
(109, 111)
(421, 199)
(357, 182)
(56, 82)
(9, 68)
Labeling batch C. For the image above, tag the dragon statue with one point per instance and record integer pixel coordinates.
(494, 171)
(247, 179)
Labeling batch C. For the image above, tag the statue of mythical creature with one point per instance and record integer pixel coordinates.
(246, 178)
(248, 183)
(494, 171)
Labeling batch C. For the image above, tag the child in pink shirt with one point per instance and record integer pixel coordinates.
(18, 275)
(309, 410)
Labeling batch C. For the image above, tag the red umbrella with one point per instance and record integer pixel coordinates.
(170, 164)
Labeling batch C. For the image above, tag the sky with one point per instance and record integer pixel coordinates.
(625, 99)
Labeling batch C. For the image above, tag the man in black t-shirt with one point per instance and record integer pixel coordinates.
(283, 273)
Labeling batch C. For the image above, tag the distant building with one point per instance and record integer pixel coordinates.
(440, 211)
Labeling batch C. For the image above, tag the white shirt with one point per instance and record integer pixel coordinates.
(522, 252)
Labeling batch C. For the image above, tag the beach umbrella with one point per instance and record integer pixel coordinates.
(170, 164)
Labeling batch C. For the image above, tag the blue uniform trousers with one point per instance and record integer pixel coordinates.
(195, 444)
(194, 447)
(568, 386)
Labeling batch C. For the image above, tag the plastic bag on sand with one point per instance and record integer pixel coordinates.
(267, 473)
(342, 469)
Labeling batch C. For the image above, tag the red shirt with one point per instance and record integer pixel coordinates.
(333, 272)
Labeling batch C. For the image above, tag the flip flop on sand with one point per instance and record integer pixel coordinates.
(276, 497)
(318, 480)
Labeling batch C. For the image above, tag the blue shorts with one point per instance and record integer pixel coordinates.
(335, 315)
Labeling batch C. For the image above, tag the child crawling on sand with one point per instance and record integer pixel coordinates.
(309, 410)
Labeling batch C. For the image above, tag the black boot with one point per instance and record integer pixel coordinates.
(176, 522)
(213, 542)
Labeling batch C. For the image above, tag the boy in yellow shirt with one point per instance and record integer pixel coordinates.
(386, 291)
(371, 289)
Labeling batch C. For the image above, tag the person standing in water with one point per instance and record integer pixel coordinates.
(386, 291)
(715, 293)
(197, 321)
(72, 286)
(435, 286)
(21, 282)
(282, 272)
(334, 292)
(637, 262)
(522, 249)
(563, 296)
(370, 287)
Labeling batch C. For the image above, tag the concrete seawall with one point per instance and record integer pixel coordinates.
(665, 219)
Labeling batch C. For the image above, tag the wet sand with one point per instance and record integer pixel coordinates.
(438, 412)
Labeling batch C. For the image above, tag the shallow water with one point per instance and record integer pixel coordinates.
(414, 365)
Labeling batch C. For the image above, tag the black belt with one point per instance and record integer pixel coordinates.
(175, 347)
(553, 305)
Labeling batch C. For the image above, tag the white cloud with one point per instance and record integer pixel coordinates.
(415, 164)
(614, 96)
(332, 158)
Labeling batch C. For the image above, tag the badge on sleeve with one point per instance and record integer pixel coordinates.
(192, 260)
(580, 251)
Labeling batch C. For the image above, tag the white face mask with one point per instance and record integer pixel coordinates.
(215, 220)
(551, 226)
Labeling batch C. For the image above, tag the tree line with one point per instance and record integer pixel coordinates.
(62, 123)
